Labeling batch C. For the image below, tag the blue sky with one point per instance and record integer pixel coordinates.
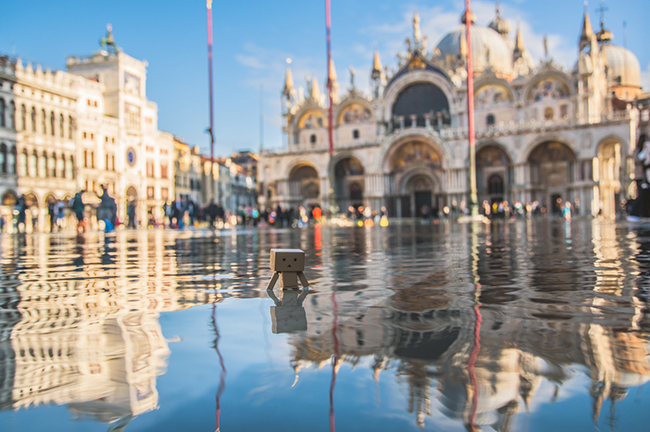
(252, 39)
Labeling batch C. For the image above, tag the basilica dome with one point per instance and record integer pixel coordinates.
(623, 66)
(488, 47)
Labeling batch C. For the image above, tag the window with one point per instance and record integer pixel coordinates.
(32, 164)
(51, 168)
(84, 135)
(92, 159)
(42, 165)
(149, 168)
(61, 128)
(43, 122)
(164, 193)
(69, 168)
(23, 117)
(85, 158)
(312, 139)
(106, 162)
(163, 171)
(12, 161)
(12, 115)
(3, 158)
(33, 119)
(490, 120)
(150, 191)
(52, 121)
(112, 162)
(60, 166)
(2, 112)
(564, 111)
(548, 114)
(22, 164)
(70, 124)
(355, 134)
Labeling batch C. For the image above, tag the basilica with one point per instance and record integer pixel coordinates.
(544, 134)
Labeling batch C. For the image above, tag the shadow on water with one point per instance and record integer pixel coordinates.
(480, 326)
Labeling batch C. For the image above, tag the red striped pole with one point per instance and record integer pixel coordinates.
(209, 6)
(473, 198)
(328, 24)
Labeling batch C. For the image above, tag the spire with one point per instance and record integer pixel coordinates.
(334, 82)
(520, 49)
(376, 65)
(587, 31)
(288, 81)
(332, 71)
(315, 92)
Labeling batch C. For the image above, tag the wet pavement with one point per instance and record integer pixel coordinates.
(529, 325)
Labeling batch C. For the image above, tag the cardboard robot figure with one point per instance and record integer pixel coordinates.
(288, 265)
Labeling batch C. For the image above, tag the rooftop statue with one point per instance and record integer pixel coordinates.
(108, 43)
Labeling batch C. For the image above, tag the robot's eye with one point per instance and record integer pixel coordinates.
(284, 259)
(295, 259)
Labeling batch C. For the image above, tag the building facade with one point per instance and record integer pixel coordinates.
(80, 129)
(187, 172)
(543, 133)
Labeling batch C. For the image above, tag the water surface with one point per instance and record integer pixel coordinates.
(530, 325)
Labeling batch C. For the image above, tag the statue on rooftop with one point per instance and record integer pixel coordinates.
(108, 43)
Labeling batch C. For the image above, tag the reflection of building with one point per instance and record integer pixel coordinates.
(88, 126)
(535, 332)
(543, 133)
(88, 337)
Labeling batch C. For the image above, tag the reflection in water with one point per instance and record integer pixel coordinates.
(79, 322)
(538, 312)
(479, 324)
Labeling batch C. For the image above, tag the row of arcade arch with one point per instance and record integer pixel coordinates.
(414, 176)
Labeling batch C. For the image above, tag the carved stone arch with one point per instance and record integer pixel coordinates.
(296, 163)
(308, 106)
(491, 143)
(425, 76)
(415, 172)
(389, 145)
(613, 138)
(349, 101)
(545, 74)
(546, 138)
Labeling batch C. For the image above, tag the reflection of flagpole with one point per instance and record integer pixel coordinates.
(473, 196)
(336, 359)
(477, 330)
(222, 376)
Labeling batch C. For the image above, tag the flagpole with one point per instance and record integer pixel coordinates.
(330, 125)
(211, 130)
(473, 196)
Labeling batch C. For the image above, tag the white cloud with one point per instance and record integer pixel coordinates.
(250, 61)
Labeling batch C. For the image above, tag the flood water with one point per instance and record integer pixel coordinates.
(522, 326)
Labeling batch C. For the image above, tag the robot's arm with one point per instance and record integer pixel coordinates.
(303, 280)
(273, 281)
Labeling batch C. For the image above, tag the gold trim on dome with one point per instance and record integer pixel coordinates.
(416, 63)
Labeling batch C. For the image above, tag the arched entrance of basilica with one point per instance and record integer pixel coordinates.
(349, 183)
(415, 168)
(552, 166)
(493, 174)
(304, 186)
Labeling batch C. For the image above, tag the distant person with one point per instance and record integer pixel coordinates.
(130, 214)
(77, 206)
(51, 213)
